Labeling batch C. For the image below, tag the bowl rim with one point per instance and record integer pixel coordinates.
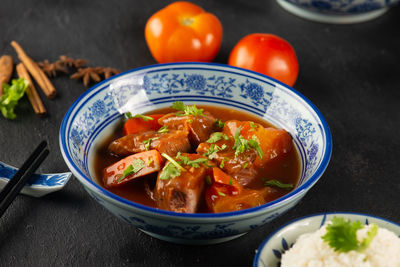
(312, 216)
(86, 181)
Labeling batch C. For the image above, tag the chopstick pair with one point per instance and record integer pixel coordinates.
(17, 182)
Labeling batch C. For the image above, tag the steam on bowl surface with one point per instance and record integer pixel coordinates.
(98, 111)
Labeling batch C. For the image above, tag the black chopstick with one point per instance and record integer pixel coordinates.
(17, 182)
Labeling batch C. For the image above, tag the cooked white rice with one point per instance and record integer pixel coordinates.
(310, 250)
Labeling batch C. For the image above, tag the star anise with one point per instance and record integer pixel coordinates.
(86, 74)
(107, 72)
(51, 69)
(72, 63)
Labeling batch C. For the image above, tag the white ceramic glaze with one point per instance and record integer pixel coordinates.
(97, 112)
(269, 252)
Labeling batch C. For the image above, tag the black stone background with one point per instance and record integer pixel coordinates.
(350, 72)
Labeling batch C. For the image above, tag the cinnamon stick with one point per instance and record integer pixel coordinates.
(33, 95)
(37, 73)
(6, 69)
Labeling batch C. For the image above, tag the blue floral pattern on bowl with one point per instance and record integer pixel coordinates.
(271, 250)
(39, 184)
(99, 110)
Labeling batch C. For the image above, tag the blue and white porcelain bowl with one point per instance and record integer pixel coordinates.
(337, 11)
(270, 251)
(97, 113)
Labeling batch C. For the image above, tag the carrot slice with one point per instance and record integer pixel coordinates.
(222, 178)
(137, 125)
(132, 167)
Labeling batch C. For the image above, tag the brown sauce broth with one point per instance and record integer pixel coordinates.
(285, 168)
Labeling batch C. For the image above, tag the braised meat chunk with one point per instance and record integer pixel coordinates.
(171, 142)
(180, 184)
(199, 124)
(223, 153)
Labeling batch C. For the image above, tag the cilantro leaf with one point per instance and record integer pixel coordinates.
(147, 142)
(213, 150)
(278, 184)
(241, 144)
(187, 110)
(341, 235)
(11, 94)
(137, 165)
(176, 164)
(143, 117)
(169, 171)
(194, 163)
(163, 129)
(219, 123)
(128, 115)
(253, 142)
(370, 235)
(215, 137)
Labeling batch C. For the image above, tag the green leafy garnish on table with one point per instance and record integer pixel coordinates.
(187, 110)
(341, 235)
(11, 94)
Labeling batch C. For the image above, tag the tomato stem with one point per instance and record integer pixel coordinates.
(187, 21)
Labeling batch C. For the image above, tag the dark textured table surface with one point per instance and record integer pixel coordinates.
(351, 73)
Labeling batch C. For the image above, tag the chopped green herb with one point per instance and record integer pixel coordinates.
(230, 181)
(208, 180)
(147, 142)
(143, 117)
(176, 164)
(278, 184)
(241, 144)
(215, 137)
(190, 121)
(341, 235)
(128, 115)
(169, 171)
(126, 172)
(245, 165)
(150, 161)
(221, 194)
(213, 150)
(219, 123)
(253, 126)
(187, 110)
(253, 142)
(11, 94)
(194, 163)
(137, 165)
(163, 129)
(222, 164)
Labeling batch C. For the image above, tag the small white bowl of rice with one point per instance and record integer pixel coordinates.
(317, 241)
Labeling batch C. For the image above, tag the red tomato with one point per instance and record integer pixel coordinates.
(183, 31)
(267, 54)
